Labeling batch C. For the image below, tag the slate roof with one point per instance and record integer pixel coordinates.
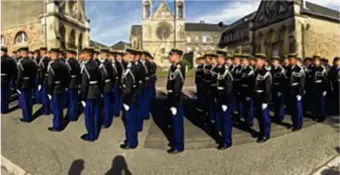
(97, 45)
(191, 27)
(325, 12)
(121, 45)
(245, 19)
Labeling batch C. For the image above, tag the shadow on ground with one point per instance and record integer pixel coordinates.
(119, 167)
(77, 167)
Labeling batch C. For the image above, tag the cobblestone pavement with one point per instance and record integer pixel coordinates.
(35, 149)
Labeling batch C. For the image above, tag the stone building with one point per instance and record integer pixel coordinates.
(162, 30)
(44, 23)
(298, 26)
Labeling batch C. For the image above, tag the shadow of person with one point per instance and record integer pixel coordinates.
(119, 167)
(334, 170)
(337, 149)
(77, 167)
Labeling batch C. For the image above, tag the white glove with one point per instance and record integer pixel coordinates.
(49, 97)
(224, 108)
(126, 107)
(298, 97)
(248, 98)
(279, 94)
(66, 89)
(264, 106)
(83, 103)
(19, 92)
(173, 110)
(101, 95)
(324, 93)
(39, 87)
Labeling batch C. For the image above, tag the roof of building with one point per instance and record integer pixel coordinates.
(97, 45)
(121, 45)
(243, 20)
(315, 9)
(201, 26)
(136, 30)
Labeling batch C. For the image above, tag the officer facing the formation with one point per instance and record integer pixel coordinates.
(224, 87)
(296, 83)
(108, 78)
(57, 83)
(42, 87)
(8, 75)
(262, 97)
(175, 83)
(279, 82)
(74, 80)
(129, 89)
(90, 95)
(27, 70)
(319, 90)
(246, 91)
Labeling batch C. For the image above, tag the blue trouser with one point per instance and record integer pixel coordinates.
(45, 101)
(117, 104)
(131, 133)
(57, 110)
(279, 111)
(72, 111)
(319, 106)
(296, 112)
(147, 102)
(263, 119)
(65, 99)
(5, 95)
(247, 109)
(26, 104)
(227, 126)
(107, 110)
(212, 110)
(138, 111)
(92, 118)
(178, 130)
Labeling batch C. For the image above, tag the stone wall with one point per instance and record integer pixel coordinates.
(16, 12)
(317, 37)
(35, 35)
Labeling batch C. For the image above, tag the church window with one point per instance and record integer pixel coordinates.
(204, 38)
(3, 41)
(180, 10)
(197, 38)
(147, 10)
(188, 39)
(20, 37)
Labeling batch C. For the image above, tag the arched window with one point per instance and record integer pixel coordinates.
(147, 10)
(20, 37)
(180, 9)
(188, 39)
(3, 41)
(72, 40)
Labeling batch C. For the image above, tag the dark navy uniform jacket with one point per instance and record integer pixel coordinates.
(237, 74)
(57, 72)
(108, 75)
(27, 70)
(320, 79)
(176, 78)
(207, 76)
(213, 79)
(334, 77)
(224, 85)
(199, 75)
(140, 75)
(147, 66)
(309, 76)
(263, 83)
(91, 84)
(153, 77)
(74, 67)
(8, 69)
(129, 87)
(247, 81)
(296, 80)
(279, 78)
(43, 70)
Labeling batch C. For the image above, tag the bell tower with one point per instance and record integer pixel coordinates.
(147, 9)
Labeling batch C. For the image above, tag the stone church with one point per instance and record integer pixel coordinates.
(287, 26)
(48, 23)
(163, 29)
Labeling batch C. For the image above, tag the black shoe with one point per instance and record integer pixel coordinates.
(262, 140)
(124, 146)
(294, 129)
(259, 140)
(320, 120)
(105, 127)
(174, 151)
(24, 121)
(85, 137)
(222, 147)
(53, 129)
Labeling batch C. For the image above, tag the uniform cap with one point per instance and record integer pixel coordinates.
(261, 56)
(245, 55)
(229, 55)
(4, 48)
(275, 58)
(105, 50)
(43, 48)
(71, 51)
(336, 59)
(131, 51)
(23, 49)
(57, 50)
(88, 50)
(221, 52)
(308, 59)
(36, 50)
(177, 51)
(292, 55)
(316, 57)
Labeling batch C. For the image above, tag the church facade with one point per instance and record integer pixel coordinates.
(290, 26)
(162, 30)
(44, 24)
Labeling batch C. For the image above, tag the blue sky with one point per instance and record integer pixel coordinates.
(111, 20)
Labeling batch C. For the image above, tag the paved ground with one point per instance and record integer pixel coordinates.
(39, 151)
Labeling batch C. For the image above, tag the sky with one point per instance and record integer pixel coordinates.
(111, 20)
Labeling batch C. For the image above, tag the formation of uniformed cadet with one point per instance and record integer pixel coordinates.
(176, 78)
(42, 87)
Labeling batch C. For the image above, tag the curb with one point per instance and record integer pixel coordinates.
(331, 165)
(12, 168)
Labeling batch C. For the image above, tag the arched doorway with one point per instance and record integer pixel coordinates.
(72, 40)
